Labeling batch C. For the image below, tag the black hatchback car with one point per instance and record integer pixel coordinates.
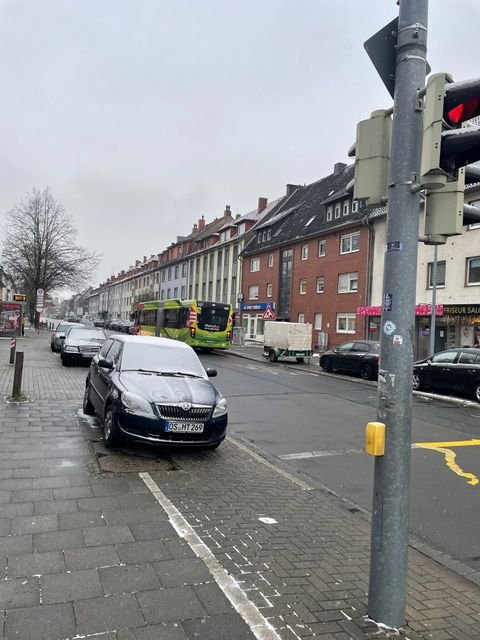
(154, 390)
(359, 356)
(453, 371)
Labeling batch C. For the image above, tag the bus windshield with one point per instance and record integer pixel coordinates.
(212, 318)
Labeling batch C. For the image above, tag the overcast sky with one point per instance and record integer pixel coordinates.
(143, 115)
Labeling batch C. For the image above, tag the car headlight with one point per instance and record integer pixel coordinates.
(136, 404)
(220, 409)
(69, 348)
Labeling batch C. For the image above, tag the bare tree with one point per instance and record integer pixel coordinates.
(39, 246)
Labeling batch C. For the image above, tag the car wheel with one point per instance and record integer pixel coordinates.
(325, 364)
(416, 382)
(299, 360)
(476, 392)
(65, 361)
(366, 372)
(88, 409)
(111, 435)
(272, 356)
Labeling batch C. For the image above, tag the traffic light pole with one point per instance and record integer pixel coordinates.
(389, 541)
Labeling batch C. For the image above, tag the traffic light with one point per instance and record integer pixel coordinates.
(449, 145)
(372, 157)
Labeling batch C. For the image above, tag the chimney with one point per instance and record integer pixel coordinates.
(338, 166)
(227, 211)
(137, 262)
(201, 223)
(291, 188)
(238, 216)
(194, 228)
(144, 258)
(262, 204)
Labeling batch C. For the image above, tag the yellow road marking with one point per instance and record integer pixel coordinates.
(450, 456)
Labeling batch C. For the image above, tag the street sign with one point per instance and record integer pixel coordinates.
(19, 297)
(39, 303)
(268, 314)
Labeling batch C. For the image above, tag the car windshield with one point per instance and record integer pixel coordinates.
(63, 327)
(161, 359)
(86, 334)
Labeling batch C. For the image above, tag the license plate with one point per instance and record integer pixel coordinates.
(184, 427)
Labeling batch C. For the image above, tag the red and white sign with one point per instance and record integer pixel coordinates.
(40, 300)
(268, 314)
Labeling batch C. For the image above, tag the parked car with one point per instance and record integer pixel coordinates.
(154, 390)
(453, 371)
(81, 344)
(58, 336)
(99, 322)
(359, 356)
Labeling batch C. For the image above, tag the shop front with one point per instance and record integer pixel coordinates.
(423, 319)
(254, 316)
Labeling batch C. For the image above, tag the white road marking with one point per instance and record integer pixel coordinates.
(318, 454)
(259, 626)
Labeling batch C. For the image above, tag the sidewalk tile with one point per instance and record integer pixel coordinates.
(108, 614)
(128, 579)
(45, 622)
(74, 585)
(97, 536)
(31, 564)
(19, 593)
(170, 605)
(91, 558)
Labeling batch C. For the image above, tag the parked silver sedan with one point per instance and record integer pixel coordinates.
(58, 336)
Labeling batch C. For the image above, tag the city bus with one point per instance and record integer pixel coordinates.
(201, 324)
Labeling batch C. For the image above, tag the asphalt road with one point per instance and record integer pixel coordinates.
(315, 425)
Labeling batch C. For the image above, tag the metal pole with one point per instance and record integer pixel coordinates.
(389, 540)
(434, 300)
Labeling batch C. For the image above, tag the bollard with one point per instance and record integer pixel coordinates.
(17, 376)
(13, 348)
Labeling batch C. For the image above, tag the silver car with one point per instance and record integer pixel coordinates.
(58, 336)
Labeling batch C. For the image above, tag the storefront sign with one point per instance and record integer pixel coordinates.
(258, 306)
(420, 310)
(461, 309)
(10, 319)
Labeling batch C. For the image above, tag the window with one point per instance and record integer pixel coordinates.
(241, 228)
(303, 286)
(346, 322)
(169, 273)
(269, 234)
(177, 270)
(347, 282)
(253, 292)
(301, 318)
(175, 292)
(168, 293)
(254, 264)
(269, 290)
(317, 322)
(473, 271)
(338, 208)
(322, 248)
(440, 274)
(467, 358)
(184, 291)
(446, 356)
(354, 206)
(476, 225)
(305, 252)
(350, 243)
(270, 260)
(346, 207)
(329, 213)
(184, 270)
(320, 284)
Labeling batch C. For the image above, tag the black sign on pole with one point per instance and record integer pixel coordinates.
(382, 51)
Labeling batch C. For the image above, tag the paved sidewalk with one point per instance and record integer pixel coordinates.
(142, 545)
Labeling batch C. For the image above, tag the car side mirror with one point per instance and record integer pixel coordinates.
(211, 373)
(105, 364)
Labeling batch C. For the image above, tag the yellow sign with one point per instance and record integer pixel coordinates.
(19, 297)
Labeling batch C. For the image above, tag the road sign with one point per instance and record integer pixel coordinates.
(19, 297)
(39, 303)
(268, 314)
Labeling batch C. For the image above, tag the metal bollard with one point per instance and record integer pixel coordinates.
(13, 348)
(17, 376)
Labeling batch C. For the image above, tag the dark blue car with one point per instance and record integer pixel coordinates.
(155, 390)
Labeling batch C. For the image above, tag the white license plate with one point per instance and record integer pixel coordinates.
(184, 427)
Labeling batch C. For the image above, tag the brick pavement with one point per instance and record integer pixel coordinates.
(86, 552)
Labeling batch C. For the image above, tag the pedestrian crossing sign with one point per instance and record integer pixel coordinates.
(268, 314)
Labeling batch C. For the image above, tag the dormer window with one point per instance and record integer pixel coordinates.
(338, 208)
(241, 228)
(346, 207)
(329, 212)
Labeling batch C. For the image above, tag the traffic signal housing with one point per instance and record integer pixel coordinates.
(449, 145)
(372, 157)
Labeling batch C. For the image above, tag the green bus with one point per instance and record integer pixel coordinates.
(201, 324)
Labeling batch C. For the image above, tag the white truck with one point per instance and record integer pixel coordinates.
(287, 340)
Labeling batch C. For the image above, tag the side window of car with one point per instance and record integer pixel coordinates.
(346, 347)
(445, 357)
(106, 346)
(114, 353)
(467, 358)
(360, 347)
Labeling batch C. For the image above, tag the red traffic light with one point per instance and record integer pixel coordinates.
(462, 102)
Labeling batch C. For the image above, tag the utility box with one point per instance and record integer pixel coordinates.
(372, 158)
(375, 439)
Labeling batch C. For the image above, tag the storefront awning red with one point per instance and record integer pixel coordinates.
(420, 310)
